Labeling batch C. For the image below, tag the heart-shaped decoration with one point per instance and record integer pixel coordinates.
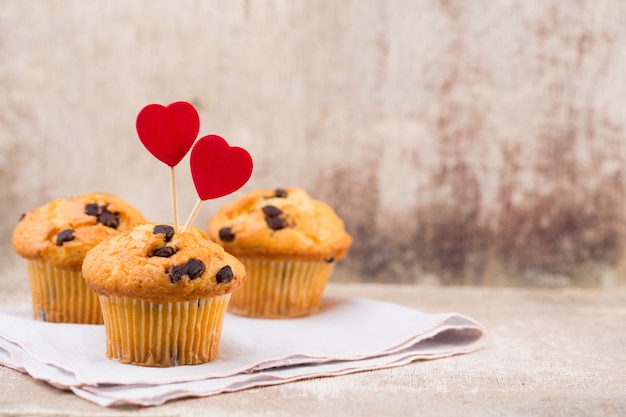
(218, 169)
(168, 132)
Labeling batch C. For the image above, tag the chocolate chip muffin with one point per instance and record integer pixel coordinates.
(289, 243)
(54, 239)
(163, 294)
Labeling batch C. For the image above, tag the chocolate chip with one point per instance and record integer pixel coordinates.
(93, 209)
(65, 236)
(275, 223)
(272, 211)
(195, 268)
(106, 217)
(165, 229)
(22, 217)
(226, 234)
(109, 219)
(177, 272)
(273, 219)
(164, 252)
(224, 275)
(330, 260)
(280, 193)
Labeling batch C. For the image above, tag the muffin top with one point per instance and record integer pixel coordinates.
(153, 263)
(61, 232)
(280, 224)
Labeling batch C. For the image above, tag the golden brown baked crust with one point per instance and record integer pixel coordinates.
(35, 236)
(301, 229)
(126, 265)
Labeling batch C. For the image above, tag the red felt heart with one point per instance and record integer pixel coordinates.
(217, 168)
(168, 132)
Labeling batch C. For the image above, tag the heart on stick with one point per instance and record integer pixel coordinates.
(168, 132)
(218, 169)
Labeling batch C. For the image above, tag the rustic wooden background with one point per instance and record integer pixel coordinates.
(478, 143)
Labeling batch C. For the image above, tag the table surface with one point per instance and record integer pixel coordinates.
(559, 352)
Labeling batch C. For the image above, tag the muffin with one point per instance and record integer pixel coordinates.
(289, 244)
(54, 239)
(163, 294)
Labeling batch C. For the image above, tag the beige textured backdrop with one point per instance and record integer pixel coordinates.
(476, 142)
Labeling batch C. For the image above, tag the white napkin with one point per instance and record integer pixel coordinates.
(347, 335)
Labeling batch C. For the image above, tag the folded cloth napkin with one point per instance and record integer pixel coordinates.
(347, 335)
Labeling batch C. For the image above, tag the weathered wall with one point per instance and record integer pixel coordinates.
(463, 142)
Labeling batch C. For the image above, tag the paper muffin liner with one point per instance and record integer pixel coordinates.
(280, 289)
(169, 334)
(61, 296)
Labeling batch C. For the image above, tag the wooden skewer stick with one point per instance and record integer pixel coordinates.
(193, 215)
(174, 199)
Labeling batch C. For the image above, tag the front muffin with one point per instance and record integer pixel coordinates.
(54, 239)
(163, 294)
(289, 243)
